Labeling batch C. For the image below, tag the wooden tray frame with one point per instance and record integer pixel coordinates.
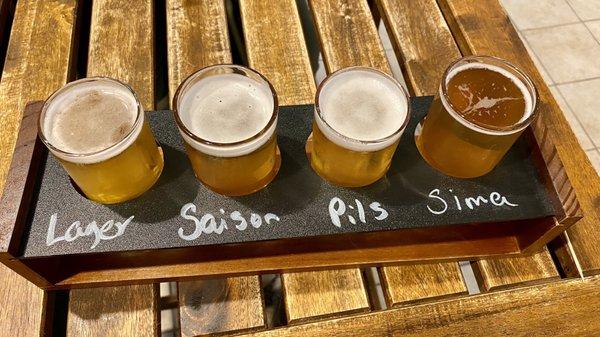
(459, 242)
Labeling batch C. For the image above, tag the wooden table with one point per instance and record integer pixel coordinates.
(153, 45)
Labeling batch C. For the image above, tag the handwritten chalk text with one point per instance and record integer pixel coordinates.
(438, 205)
(208, 224)
(76, 230)
(337, 208)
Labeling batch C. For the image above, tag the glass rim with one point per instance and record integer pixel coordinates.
(521, 76)
(375, 71)
(138, 119)
(180, 90)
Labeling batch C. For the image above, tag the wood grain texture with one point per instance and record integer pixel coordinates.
(500, 273)
(423, 40)
(220, 305)
(37, 63)
(276, 48)
(323, 293)
(196, 37)
(348, 35)
(20, 181)
(553, 173)
(23, 305)
(408, 284)
(554, 309)
(483, 27)
(118, 312)
(122, 45)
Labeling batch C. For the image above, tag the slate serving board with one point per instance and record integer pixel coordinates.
(296, 204)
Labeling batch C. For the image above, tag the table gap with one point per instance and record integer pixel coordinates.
(7, 14)
(274, 309)
(235, 31)
(79, 56)
(161, 65)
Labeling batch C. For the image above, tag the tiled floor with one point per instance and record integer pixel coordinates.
(563, 37)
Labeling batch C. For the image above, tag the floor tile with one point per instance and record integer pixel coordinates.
(396, 70)
(569, 53)
(586, 9)
(536, 61)
(582, 137)
(321, 72)
(385, 39)
(594, 156)
(582, 97)
(594, 27)
(527, 14)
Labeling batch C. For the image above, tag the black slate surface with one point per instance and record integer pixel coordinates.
(297, 196)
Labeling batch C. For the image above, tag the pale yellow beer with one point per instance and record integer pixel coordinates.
(483, 105)
(360, 114)
(227, 116)
(97, 130)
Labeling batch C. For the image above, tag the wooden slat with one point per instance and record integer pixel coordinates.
(197, 37)
(483, 27)
(422, 41)
(220, 305)
(566, 308)
(499, 273)
(23, 305)
(425, 45)
(276, 47)
(37, 63)
(349, 37)
(323, 293)
(113, 312)
(121, 46)
(408, 284)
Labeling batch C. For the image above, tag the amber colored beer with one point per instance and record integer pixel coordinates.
(227, 116)
(360, 114)
(483, 106)
(97, 130)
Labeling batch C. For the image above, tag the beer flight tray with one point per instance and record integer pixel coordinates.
(57, 238)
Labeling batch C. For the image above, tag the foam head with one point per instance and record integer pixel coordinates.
(227, 113)
(362, 109)
(481, 102)
(91, 120)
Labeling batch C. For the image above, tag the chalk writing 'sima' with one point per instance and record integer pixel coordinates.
(438, 205)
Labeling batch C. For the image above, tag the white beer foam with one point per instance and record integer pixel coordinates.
(89, 122)
(363, 106)
(489, 103)
(226, 109)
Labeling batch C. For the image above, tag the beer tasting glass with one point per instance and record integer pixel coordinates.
(227, 116)
(360, 114)
(483, 105)
(97, 130)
